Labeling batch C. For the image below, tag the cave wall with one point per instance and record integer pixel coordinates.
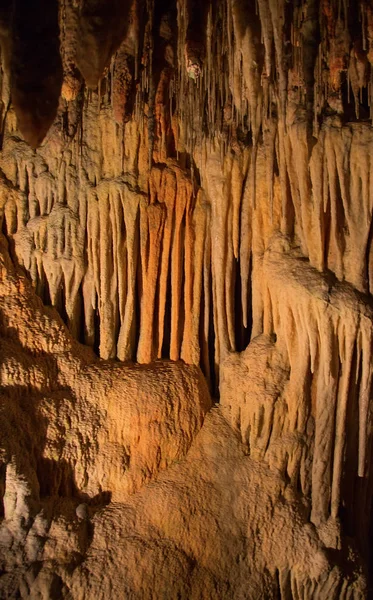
(193, 181)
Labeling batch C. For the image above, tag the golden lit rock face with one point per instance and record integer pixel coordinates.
(186, 211)
(95, 426)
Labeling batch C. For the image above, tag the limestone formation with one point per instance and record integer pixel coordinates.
(186, 313)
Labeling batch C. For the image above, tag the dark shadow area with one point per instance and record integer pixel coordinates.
(36, 68)
(25, 439)
(2, 488)
(102, 27)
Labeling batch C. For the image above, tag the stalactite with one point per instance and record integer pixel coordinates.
(125, 67)
(122, 83)
(267, 34)
(183, 199)
(126, 339)
(313, 324)
(197, 233)
(245, 241)
(277, 10)
(166, 194)
(149, 36)
(269, 136)
(36, 70)
(207, 300)
(162, 113)
(151, 230)
(102, 27)
(195, 51)
(219, 248)
(68, 30)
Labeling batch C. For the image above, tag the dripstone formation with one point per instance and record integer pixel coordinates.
(186, 311)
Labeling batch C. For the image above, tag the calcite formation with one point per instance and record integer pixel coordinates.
(186, 314)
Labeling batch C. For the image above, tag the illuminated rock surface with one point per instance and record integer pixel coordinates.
(186, 314)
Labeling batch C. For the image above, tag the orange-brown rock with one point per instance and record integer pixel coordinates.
(186, 279)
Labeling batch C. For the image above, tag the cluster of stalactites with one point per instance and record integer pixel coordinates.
(225, 67)
(130, 271)
(327, 335)
(97, 243)
(233, 67)
(273, 59)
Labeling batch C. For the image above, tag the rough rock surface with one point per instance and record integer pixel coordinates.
(186, 208)
(80, 437)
